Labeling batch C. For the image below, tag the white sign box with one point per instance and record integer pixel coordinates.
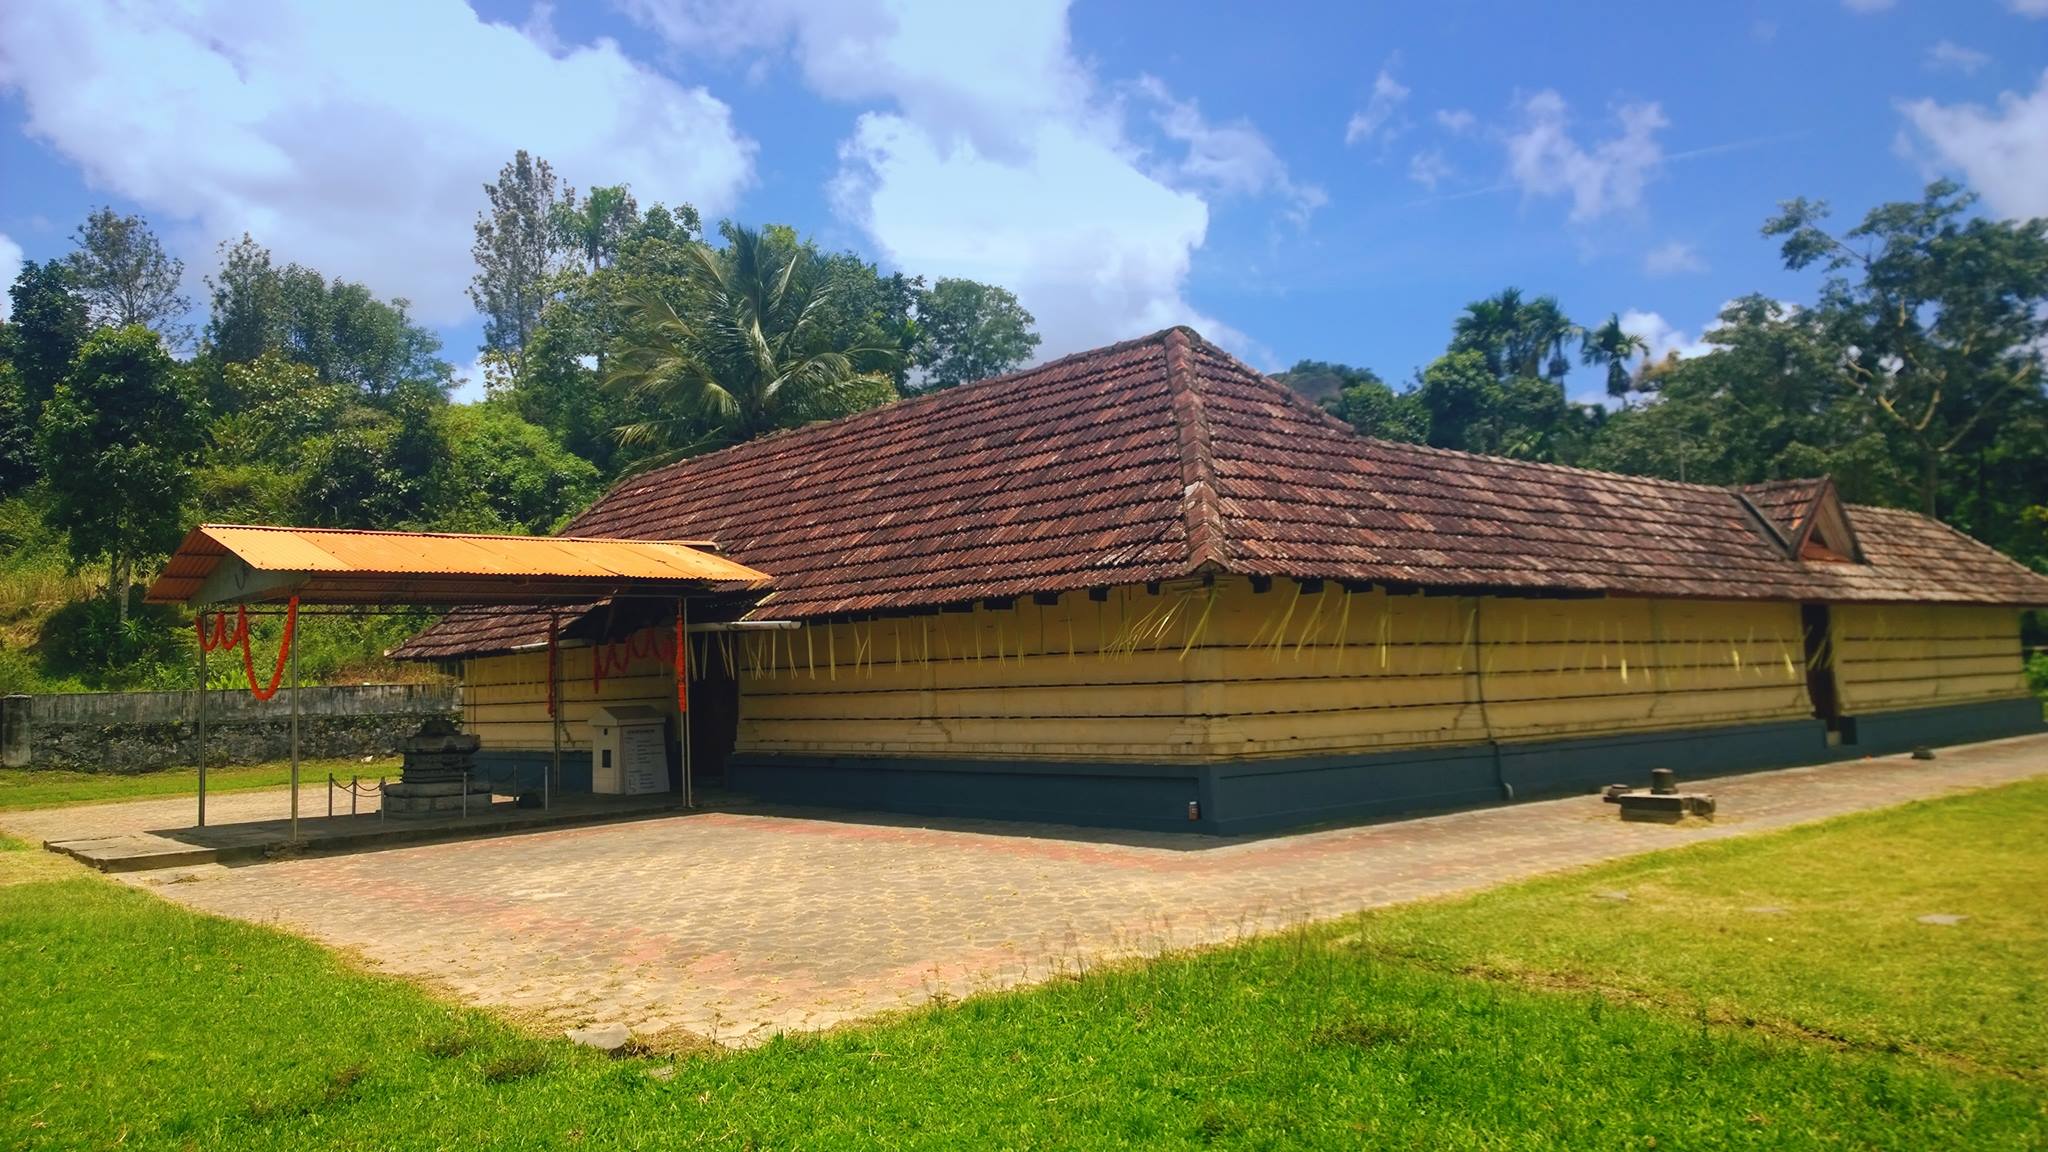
(628, 750)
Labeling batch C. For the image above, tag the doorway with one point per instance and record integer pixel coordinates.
(1817, 623)
(714, 713)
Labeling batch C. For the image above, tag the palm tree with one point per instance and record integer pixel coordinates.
(750, 352)
(1611, 346)
(595, 227)
(1517, 337)
(1488, 327)
(1541, 340)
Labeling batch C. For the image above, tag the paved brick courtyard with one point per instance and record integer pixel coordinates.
(735, 926)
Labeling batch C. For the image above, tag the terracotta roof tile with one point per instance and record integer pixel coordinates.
(1165, 456)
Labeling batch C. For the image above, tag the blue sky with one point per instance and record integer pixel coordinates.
(1320, 181)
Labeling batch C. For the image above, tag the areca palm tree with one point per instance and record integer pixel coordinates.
(751, 350)
(1517, 337)
(1611, 346)
(1543, 334)
(595, 227)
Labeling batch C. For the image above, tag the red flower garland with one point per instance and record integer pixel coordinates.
(220, 637)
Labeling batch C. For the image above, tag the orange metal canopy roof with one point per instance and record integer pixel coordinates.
(231, 563)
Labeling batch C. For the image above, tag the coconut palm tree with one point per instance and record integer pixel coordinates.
(750, 350)
(1611, 346)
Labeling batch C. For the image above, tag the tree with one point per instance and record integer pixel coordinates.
(380, 467)
(350, 337)
(1764, 404)
(122, 271)
(595, 228)
(748, 351)
(1360, 398)
(509, 475)
(517, 243)
(1516, 337)
(1941, 317)
(969, 331)
(248, 317)
(1500, 386)
(117, 447)
(49, 324)
(1610, 346)
(17, 432)
(1526, 417)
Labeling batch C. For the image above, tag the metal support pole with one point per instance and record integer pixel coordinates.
(547, 784)
(683, 692)
(295, 740)
(199, 719)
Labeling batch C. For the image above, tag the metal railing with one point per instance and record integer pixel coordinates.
(355, 789)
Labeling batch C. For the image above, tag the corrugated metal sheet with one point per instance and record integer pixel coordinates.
(1151, 459)
(342, 566)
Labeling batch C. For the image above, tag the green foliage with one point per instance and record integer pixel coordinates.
(379, 467)
(126, 279)
(1939, 317)
(594, 228)
(968, 331)
(1360, 397)
(17, 432)
(44, 331)
(748, 348)
(517, 247)
(1516, 337)
(507, 475)
(1611, 347)
(248, 317)
(94, 644)
(2037, 673)
(1471, 409)
(1764, 405)
(338, 329)
(118, 444)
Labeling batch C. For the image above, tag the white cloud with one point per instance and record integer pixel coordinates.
(353, 140)
(1662, 337)
(1456, 121)
(2001, 153)
(1947, 55)
(1429, 168)
(987, 150)
(10, 267)
(1673, 258)
(1868, 6)
(1545, 160)
(1233, 158)
(2036, 9)
(1376, 119)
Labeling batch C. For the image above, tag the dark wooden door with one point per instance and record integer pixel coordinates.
(714, 720)
(1820, 663)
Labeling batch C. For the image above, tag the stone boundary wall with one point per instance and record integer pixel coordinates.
(147, 731)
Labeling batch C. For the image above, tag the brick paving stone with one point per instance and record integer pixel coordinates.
(738, 925)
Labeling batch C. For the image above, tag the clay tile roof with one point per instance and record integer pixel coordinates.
(1785, 502)
(1164, 457)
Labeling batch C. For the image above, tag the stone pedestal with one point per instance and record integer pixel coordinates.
(434, 779)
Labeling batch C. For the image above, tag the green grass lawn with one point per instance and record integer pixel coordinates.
(48, 788)
(1814, 931)
(1538, 1016)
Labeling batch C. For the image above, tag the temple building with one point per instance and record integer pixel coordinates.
(1146, 586)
